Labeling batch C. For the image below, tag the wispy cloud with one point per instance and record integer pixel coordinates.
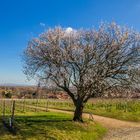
(42, 24)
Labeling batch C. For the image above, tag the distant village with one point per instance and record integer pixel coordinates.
(33, 92)
(30, 92)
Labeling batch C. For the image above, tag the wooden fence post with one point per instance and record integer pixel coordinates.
(3, 111)
(46, 105)
(13, 113)
(23, 109)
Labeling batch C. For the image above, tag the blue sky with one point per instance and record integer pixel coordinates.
(20, 20)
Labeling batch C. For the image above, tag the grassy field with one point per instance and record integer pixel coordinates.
(122, 109)
(32, 124)
(51, 126)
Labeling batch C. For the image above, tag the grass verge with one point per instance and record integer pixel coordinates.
(52, 126)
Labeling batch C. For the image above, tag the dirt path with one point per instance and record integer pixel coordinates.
(105, 121)
(117, 129)
(129, 133)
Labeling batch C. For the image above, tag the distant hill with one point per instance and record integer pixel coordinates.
(15, 85)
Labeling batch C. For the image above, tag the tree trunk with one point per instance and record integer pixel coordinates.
(78, 112)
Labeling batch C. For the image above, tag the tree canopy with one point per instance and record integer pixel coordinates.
(85, 63)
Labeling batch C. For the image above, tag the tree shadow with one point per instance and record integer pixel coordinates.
(40, 126)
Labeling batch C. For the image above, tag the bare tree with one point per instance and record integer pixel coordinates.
(84, 63)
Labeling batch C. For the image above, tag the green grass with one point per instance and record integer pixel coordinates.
(121, 109)
(128, 110)
(52, 126)
(127, 116)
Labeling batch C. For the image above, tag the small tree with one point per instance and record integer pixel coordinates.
(84, 63)
(8, 93)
